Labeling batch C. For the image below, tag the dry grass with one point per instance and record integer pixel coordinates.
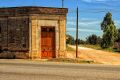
(70, 60)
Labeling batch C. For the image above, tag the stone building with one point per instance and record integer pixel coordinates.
(38, 32)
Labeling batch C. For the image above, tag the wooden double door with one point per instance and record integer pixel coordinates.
(48, 42)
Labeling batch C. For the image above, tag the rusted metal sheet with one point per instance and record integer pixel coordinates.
(48, 42)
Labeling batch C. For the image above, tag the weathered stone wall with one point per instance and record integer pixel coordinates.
(14, 33)
(3, 33)
(57, 21)
(33, 42)
(22, 11)
(62, 33)
(20, 29)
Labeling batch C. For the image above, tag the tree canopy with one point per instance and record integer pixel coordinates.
(109, 31)
(70, 40)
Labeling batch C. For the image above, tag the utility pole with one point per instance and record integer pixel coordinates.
(62, 3)
(77, 35)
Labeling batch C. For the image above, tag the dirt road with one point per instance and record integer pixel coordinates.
(96, 55)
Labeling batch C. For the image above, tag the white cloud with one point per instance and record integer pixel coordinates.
(89, 1)
(95, 0)
(117, 23)
(84, 23)
(71, 18)
(83, 30)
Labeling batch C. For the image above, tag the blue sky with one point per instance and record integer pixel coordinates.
(91, 13)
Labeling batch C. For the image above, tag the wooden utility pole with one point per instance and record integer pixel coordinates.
(77, 35)
(62, 3)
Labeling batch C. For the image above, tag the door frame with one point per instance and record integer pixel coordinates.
(54, 55)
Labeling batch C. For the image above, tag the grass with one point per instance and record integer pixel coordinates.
(70, 49)
(61, 60)
(70, 60)
(97, 47)
(91, 46)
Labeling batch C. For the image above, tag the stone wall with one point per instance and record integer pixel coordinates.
(14, 33)
(33, 42)
(57, 21)
(22, 11)
(20, 29)
(3, 34)
(62, 38)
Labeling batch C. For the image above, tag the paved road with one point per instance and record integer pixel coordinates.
(35, 70)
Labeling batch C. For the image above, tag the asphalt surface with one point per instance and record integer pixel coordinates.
(37, 70)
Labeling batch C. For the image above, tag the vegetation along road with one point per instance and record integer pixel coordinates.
(35, 70)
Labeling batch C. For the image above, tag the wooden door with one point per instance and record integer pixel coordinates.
(48, 42)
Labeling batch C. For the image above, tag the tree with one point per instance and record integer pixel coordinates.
(118, 35)
(70, 40)
(99, 40)
(109, 31)
(81, 41)
(92, 39)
